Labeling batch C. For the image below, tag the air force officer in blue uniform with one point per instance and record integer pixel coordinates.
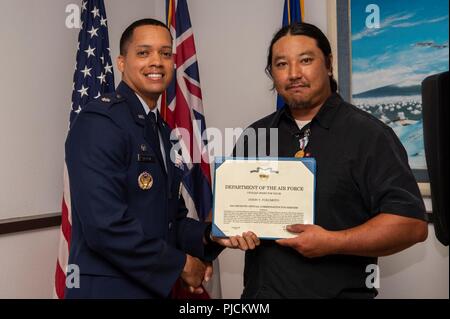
(130, 234)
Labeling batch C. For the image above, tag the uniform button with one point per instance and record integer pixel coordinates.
(170, 225)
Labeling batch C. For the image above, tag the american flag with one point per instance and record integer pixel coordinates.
(182, 108)
(292, 12)
(93, 77)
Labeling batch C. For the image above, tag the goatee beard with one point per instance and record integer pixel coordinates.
(299, 105)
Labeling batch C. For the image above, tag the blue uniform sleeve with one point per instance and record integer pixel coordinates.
(190, 232)
(97, 156)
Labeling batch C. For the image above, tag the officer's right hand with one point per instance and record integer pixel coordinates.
(193, 274)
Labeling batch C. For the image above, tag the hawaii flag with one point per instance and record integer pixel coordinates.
(182, 108)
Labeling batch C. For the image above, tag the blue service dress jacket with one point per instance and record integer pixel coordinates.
(130, 232)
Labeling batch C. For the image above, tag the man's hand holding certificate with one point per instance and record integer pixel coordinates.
(263, 196)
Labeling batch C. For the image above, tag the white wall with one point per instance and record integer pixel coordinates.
(231, 37)
(418, 272)
(37, 61)
(28, 263)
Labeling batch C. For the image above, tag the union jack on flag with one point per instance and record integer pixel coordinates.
(93, 77)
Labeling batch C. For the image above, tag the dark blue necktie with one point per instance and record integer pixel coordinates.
(155, 128)
(154, 123)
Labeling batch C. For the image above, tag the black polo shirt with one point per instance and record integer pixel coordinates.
(362, 170)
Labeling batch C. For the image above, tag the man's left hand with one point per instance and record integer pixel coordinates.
(247, 241)
(312, 240)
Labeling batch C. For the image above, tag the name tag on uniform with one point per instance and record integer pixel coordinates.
(146, 158)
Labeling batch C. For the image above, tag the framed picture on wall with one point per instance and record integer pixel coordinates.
(385, 50)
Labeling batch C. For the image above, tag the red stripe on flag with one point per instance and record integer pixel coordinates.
(60, 281)
(183, 115)
(65, 223)
(206, 171)
(185, 50)
(166, 113)
(193, 89)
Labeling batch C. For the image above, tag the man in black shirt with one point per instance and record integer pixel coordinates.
(367, 201)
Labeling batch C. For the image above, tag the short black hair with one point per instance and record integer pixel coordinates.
(309, 30)
(128, 33)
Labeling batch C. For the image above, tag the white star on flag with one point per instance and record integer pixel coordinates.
(83, 6)
(108, 68)
(93, 32)
(86, 71)
(78, 110)
(103, 21)
(90, 51)
(102, 78)
(83, 91)
(95, 12)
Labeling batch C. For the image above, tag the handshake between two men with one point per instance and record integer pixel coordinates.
(196, 271)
